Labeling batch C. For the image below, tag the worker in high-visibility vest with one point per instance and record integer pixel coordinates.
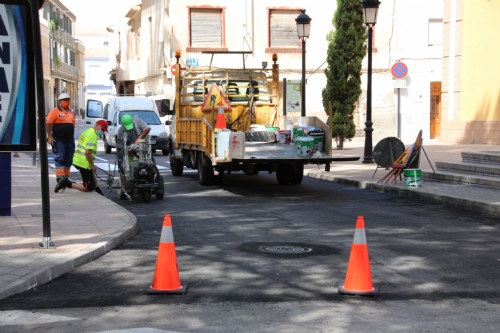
(83, 159)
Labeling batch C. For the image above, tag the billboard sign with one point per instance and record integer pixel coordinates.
(17, 80)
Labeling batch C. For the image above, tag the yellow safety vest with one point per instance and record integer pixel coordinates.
(87, 140)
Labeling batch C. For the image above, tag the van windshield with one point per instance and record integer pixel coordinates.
(148, 116)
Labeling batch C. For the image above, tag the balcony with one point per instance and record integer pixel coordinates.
(64, 38)
(63, 70)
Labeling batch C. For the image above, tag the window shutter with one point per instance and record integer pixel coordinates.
(206, 27)
(283, 29)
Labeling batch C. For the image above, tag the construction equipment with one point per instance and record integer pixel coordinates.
(138, 172)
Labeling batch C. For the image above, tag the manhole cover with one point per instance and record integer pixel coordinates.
(285, 249)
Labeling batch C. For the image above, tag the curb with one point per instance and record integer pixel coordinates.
(60, 267)
(472, 205)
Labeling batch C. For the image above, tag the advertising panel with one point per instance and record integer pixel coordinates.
(17, 81)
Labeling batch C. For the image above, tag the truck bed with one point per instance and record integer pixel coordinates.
(270, 151)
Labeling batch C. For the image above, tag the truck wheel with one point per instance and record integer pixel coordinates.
(176, 165)
(298, 175)
(160, 190)
(107, 147)
(284, 174)
(164, 152)
(205, 173)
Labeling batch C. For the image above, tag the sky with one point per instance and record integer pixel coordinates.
(99, 13)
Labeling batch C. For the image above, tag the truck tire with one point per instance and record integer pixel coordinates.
(176, 165)
(205, 173)
(284, 174)
(107, 147)
(298, 175)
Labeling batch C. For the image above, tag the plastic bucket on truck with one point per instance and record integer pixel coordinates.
(305, 146)
(413, 177)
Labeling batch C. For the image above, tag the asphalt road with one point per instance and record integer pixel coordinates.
(437, 267)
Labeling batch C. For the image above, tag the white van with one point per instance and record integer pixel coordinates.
(142, 107)
(93, 112)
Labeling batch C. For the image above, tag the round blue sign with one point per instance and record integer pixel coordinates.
(399, 70)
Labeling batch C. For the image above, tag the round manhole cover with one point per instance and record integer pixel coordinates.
(285, 249)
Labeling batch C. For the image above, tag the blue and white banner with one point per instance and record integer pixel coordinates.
(17, 98)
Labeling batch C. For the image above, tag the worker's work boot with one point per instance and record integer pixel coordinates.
(63, 183)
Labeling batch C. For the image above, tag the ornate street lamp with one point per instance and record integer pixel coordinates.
(303, 28)
(370, 11)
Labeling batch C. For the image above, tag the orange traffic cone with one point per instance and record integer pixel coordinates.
(166, 278)
(221, 121)
(358, 279)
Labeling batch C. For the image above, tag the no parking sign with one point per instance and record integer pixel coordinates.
(399, 70)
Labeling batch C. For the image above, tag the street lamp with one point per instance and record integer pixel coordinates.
(303, 27)
(370, 10)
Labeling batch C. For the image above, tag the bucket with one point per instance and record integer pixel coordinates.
(237, 144)
(305, 146)
(413, 177)
(283, 136)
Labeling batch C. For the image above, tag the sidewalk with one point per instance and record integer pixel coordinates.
(85, 226)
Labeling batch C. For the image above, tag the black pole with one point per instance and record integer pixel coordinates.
(284, 97)
(368, 158)
(303, 86)
(42, 133)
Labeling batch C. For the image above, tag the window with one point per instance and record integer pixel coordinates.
(435, 32)
(283, 28)
(206, 27)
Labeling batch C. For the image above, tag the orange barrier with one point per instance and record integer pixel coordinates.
(166, 277)
(358, 279)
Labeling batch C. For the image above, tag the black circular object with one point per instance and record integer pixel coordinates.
(387, 150)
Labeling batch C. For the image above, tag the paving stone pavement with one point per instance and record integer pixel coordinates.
(87, 225)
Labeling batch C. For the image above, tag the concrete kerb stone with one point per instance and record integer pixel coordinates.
(467, 204)
(54, 270)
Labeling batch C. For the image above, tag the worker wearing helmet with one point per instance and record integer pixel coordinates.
(134, 129)
(84, 158)
(61, 135)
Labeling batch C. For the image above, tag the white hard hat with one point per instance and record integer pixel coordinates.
(63, 96)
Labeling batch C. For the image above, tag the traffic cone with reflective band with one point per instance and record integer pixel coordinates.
(221, 120)
(358, 279)
(166, 277)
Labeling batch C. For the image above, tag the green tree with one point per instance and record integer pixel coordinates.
(346, 50)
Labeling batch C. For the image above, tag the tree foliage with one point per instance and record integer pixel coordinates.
(346, 50)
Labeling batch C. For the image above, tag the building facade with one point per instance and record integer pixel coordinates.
(63, 50)
(471, 89)
(145, 42)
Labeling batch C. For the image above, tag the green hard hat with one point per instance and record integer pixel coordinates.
(127, 122)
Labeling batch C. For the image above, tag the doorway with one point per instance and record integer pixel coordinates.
(435, 115)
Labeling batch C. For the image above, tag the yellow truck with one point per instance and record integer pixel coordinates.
(247, 100)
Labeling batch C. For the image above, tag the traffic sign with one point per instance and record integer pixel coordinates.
(172, 70)
(399, 70)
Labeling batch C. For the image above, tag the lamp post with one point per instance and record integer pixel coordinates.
(303, 28)
(370, 10)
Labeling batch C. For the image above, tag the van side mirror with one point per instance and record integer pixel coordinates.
(168, 122)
